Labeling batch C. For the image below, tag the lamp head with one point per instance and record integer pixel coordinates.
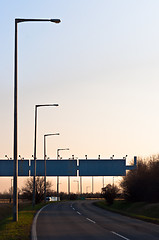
(55, 20)
(59, 149)
(19, 20)
(46, 105)
(51, 134)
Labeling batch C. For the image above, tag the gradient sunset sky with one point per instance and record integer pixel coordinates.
(100, 64)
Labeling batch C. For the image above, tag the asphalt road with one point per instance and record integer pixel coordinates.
(81, 220)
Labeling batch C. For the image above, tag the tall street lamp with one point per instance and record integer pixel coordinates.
(35, 136)
(15, 144)
(58, 158)
(45, 155)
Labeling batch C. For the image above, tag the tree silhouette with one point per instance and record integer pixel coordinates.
(27, 190)
(110, 193)
(142, 183)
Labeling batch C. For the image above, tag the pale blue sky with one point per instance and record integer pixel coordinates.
(100, 64)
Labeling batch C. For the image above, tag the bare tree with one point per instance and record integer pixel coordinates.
(27, 190)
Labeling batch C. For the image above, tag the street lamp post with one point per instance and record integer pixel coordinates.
(46, 135)
(35, 136)
(77, 181)
(103, 176)
(69, 188)
(103, 181)
(58, 158)
(81, 179)
(11, 191)
(80, 184)
(113, 176)
(92, 184)
(15, 144)
(87, 188)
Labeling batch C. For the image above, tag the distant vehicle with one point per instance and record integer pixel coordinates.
(48, 199)
(51, 199)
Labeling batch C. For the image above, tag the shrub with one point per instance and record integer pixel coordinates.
(110, 193)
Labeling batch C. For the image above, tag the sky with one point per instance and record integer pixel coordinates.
(100, 64)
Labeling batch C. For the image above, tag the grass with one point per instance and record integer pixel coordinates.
(5, 210)
(10, 230)
(140, 210)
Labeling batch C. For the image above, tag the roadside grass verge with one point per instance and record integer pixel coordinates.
(5, 210)
(140, 210)
(10, 230)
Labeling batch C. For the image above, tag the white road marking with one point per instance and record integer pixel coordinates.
(90, 220)
(33, 231)
(120, 235)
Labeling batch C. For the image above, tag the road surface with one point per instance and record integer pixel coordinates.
(81, 220)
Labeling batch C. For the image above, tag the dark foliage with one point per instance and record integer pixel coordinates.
(142, 184)
(9, 194)
(27, 191)
(73, 196)
(110, 193)
(5, 195)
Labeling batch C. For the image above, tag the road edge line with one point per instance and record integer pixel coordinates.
(33, 229)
